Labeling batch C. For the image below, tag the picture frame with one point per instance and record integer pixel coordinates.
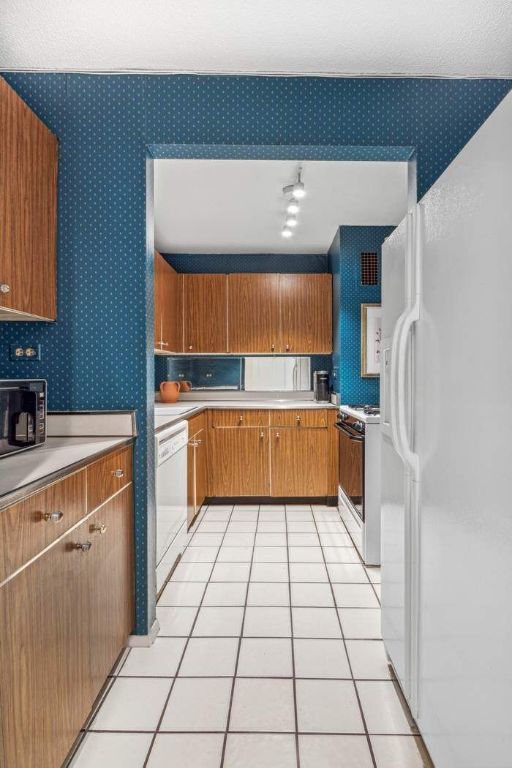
(371, 337)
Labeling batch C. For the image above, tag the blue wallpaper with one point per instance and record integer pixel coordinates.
(99, 353)
(348, 295)
(247, 262)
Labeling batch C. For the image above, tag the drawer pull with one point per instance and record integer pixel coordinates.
(262, 435)
(273, 347)
(83, 546)
(297, 419)
(118, 472)
(100, 528)
(52, 517)
(240, 419)
(277, 435)
(4, 288)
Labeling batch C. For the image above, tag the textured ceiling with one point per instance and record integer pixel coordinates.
(460, 38)
(238, 206)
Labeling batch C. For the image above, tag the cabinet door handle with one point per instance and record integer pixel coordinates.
(199, 442)
(277, 435)
(164, 343)
(262, 435)
(297, 419)
(287, 347)
(118, 472)
(4, 288)
(52, 517)
(240, 419)
(83, 546)
(190, 346)
(100, 528)
(273, 347)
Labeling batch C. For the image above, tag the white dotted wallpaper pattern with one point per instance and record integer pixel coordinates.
(98, 353)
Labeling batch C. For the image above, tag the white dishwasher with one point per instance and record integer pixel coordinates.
(171, 498)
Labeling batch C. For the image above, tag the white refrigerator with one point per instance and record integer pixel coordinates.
(446, 401)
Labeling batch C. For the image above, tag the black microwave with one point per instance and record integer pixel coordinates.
(22, 415)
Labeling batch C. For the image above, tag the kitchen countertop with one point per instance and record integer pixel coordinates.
(24, 471)
(168, 413)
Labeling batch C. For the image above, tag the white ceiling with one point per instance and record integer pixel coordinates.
(237, 206)
(331, 37)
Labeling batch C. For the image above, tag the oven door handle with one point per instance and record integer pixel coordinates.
(355, 438)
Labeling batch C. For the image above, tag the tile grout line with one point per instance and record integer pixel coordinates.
(157, 730)
(228, 720)
(374, 762)
(296, 714)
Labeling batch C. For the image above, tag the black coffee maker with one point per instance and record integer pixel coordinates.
(321, 386)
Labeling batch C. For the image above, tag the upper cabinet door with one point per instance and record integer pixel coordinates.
(168, 307)
(28, 212)
(205, 313)
(253, 301)
(306, 313)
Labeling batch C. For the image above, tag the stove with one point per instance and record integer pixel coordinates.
(369, 410)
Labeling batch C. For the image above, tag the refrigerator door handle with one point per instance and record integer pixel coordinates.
(394, 394)
(409, 318)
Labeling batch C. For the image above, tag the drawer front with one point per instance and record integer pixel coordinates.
(239, 418)
(107, 476)
(31, 525)
(307, 417)
(196, 424)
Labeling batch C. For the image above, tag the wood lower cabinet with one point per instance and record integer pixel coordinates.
(65, 616)
(253, 302)
(300, 461)
(281, 453)
(205, 313)
(238, 461)
(306, 313)
(168, 307)
(111, 567)
(46, 690)
(28, 212)
(197, 465)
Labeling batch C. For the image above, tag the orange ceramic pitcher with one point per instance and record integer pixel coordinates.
(169, 391)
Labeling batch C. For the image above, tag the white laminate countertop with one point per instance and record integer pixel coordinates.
(167, 413)
(55, 455)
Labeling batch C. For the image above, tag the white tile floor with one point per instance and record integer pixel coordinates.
(269, 656)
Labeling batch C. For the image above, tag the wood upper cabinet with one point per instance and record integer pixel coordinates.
(253, 313)
(205, 313)
(238, 461)
(300, 461)
(28, 212)
(306, 313)
(168, 307)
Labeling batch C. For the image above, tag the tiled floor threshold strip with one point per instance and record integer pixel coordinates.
(269, 656)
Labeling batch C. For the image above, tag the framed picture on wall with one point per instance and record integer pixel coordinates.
(371, 336)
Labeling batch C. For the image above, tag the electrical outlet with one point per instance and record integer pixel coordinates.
(25, 352)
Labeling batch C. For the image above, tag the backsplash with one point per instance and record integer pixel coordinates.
(348, 295)
(220, 372)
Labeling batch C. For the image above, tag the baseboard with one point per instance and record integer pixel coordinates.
(144, 641)
(330, 501)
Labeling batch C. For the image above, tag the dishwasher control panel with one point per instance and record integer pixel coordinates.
(171, 441)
